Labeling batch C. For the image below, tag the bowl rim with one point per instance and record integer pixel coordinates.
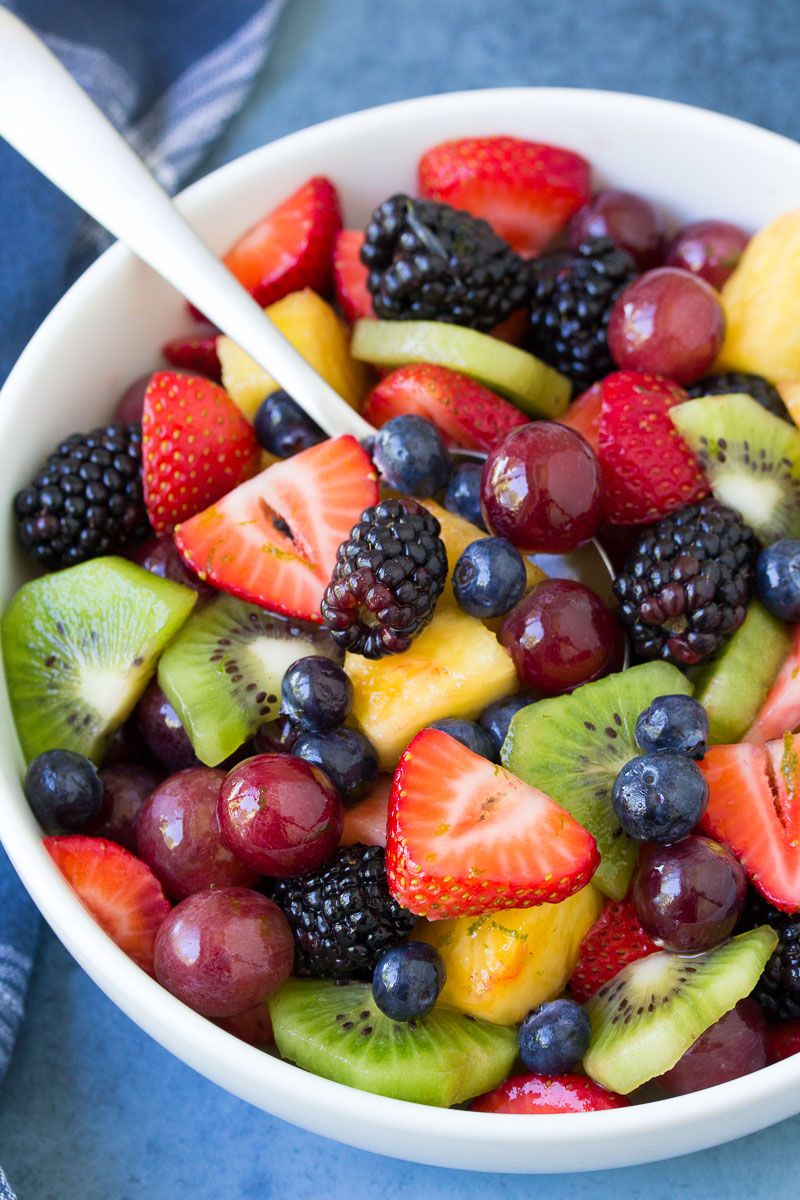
(266, 1081)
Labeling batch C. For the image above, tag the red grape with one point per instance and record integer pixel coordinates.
(690, 895)
(126, 786)
(162, 730)
(280, 815)
(629, 221)
(541, 488)
(253, 1026)
(276, 736)
(734, 1046)
(160, 557)
(178, 836)
(710, 249)
(667, 322)
(131, 402)
(224, 951)
(560, 635)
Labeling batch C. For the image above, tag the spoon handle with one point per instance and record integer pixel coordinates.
(53, 123)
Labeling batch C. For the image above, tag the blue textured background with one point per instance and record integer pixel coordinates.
(92, 1109)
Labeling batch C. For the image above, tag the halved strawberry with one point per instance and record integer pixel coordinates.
(648, 470)
(273, 540)
(119, 890)
(615, 940)
(195, 352)
(583, 415)
(780, 712)
(291, 248)
(366, 822)
(548, 1094)
(783, 1041)
(465, 412)
(196, 447)
(754, 810)
(467, 837)
(350, 276)
(527, 191)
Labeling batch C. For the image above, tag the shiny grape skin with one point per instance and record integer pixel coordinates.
(130, 405)
(629, 221)
(162, 730)
(252, 1026)
(710, 249)
(734, 1046)
(160, 557)
(126, 786)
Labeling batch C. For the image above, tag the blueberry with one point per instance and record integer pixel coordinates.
(489, 577)
(778, 579)
(674, 723)
(316, 693)
(496, 717)
(283, 428)
(659, 797)
(407, 980)
(463, 494)
(347, 758)
(554, 1037)
(470, 734)
(64, 790)
(411, 456)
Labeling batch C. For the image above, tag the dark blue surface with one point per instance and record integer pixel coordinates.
(91, 1108)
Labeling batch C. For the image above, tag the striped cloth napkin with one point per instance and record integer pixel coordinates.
(170, 76)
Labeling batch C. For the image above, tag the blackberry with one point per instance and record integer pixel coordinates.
(429, 262)
(686, 583)
(87, 498)
(387, 579)
(343, 916)
(778, 989)
(573, 295)
(739, 381)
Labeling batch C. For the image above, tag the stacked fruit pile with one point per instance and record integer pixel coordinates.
(319, 745)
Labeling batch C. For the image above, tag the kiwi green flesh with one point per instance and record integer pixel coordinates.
(647, 1016)
(79, 647)
(750, 457)
(734, 684)
(338, 1032)
(527, 381)
(573, 747)
(223, 673)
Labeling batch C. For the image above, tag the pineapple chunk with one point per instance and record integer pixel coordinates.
(322, 338)
(789, 392)
(453, 669)
(501, 965)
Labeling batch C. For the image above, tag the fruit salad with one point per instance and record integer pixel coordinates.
(319, 744)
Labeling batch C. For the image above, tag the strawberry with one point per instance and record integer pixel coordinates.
(465, 412)
(548, 1094)
(780, 712)
(754, 810)
(195, 352)
(466, 837)
(366, 821)
(783, 1041)
(615, 940)
(583, 415)
(273, 540)
(196, 447)
(648, 470)
(119, 890)
(350, 276)
(527, 191)
(291, 248)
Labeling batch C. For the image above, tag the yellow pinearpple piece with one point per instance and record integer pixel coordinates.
(317, 332)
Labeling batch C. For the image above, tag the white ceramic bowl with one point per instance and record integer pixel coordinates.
(107, 330)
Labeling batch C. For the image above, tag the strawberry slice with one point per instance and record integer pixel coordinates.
(527, 191)
(782, 1041)
(273, 540)
(291, 248)
(467, 837)
(780, 712)
(196, 353)
(754, 810)
(548, 1094)
(648, 470)
(465, 412)
(119, 890)
(350, 276)
(366, 821)
(196, 447)
(583, 415)
(615, 940)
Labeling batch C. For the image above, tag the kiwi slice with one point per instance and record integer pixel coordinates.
(572, 748)
(750, 457)
(734, 684)
(79, 647)
(338, 1032)
(223, 674)
(647, 1016)
(527, 381)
